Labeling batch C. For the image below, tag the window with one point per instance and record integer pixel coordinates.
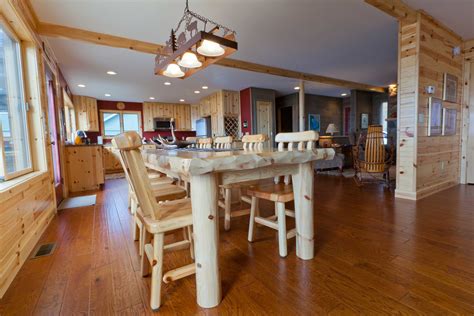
(116, 122)
(15, 156)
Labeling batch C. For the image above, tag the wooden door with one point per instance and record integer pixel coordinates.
(54, 137)
(470, 146)
(264, 120)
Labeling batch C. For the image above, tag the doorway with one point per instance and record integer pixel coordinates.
(285, 119)
(470, 141)
(54, 135)
(264, 120)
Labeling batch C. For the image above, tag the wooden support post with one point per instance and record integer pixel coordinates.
(304, 202)
(282, 246)
(227, 200)
(206, 239)
(157, 271)
(301, 109)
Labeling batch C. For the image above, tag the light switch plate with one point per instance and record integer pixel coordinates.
(421, 118)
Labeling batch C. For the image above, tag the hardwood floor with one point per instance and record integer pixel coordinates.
(374, 255)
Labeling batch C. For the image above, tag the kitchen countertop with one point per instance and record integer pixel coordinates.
(82, 145)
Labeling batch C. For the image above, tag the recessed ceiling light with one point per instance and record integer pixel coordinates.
(343, 94)
(197, 91)
(205, 87)
(151, 98)
(111, 72)
(181, 100)
(296, 88)
(108, 95)
(81, 85)
(167, 83)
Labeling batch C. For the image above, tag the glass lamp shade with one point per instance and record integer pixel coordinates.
(331, 129)
(189, 60)
(210, 49)
(173, 71)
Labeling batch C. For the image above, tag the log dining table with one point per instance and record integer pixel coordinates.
(208, 169)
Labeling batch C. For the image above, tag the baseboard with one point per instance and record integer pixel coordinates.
(425, 192)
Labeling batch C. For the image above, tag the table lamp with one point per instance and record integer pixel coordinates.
(331, 129)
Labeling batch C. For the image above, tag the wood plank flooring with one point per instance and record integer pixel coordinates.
(374, 255)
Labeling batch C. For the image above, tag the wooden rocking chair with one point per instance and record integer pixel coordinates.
(279, 193)
(157, 219)
(373, 155)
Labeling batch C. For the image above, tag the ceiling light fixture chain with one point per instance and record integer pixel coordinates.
(188, 15)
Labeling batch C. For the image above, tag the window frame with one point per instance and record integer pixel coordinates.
(23, 73)
(121, 113)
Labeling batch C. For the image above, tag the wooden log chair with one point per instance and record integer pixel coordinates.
(278, 192)
(204, 142)
(249, 143)
(373, 156)
(163, 189)
(156, 218)
(223, 142)
(192, 140)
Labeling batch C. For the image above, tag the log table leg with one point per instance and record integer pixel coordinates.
(206, 239)
(304, 201)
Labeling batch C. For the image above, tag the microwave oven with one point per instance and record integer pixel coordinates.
(162, 123)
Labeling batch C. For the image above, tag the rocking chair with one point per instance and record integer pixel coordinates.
(373, 155)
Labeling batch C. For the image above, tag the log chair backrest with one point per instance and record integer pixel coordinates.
(129, 144)
(254, 142)
(223, 142)
(374, 154)
(204, 142)
(193, 140)
(302, 140)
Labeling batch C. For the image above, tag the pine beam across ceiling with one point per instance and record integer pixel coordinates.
(395, 8)
(66, 32)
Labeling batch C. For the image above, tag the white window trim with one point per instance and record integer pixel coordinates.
(121, 112)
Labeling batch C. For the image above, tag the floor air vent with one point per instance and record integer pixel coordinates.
(44, 250)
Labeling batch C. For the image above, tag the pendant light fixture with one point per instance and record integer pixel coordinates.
(189, 60)
(173, 71)
(210, 49)
(194, 44)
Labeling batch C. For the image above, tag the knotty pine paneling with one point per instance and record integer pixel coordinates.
(408, 83)
(438, 160)
(25, 212)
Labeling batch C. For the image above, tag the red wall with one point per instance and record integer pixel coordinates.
(246, 110)
(132, 106)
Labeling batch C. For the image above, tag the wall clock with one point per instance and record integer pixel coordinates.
(120, 105)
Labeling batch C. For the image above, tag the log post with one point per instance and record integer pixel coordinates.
(206, 239)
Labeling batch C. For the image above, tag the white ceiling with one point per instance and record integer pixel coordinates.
(345, 39)
(455, 14)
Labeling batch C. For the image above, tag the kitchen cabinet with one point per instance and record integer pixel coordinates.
(220, 106)
(84, 165)
(112, 162)
(87, 117)
(180, 112)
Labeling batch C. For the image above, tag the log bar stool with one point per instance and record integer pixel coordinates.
(280, 193)
(204, 142)
(157, 218)
(223, 142)
(249, 143)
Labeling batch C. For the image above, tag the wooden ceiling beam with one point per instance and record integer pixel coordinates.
(60, 31)
(275, 71)
(395, 8)
(66, 32)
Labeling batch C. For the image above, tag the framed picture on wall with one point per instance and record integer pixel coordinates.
(450, 85)
(449, 121)
(435, 117)
(364, 121)
(314, 122)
